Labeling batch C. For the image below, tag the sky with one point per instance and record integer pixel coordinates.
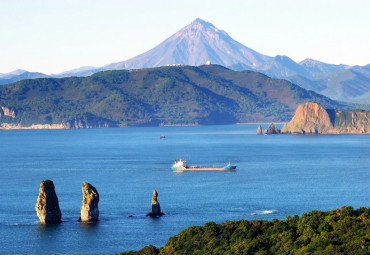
(51, 36)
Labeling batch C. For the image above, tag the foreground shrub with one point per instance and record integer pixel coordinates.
(341, 231)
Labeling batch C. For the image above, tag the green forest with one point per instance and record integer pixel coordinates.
(340, 231)
(156, 96)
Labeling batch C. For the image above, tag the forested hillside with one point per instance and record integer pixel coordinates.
(155, 96)
(341, 231)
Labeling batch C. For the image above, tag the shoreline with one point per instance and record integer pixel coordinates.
(259, 123)
(8, 126)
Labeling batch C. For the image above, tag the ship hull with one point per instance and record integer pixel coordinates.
(198, 168)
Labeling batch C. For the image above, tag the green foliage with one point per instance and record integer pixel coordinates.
(341, 231)
(154, 96)
(147, 250)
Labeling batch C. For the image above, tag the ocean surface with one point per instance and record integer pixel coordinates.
(277, 175)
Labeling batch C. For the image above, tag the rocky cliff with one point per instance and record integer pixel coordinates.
(312, 118)
(4, 111)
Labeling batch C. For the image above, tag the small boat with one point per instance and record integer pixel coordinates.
(181, 165)
(162, 136)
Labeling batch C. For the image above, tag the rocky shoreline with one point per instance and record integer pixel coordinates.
(7, 126)
(69, 125)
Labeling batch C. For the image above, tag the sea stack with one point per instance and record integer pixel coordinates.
(156, 207)
(90, 200)
(259, 130)
(272, 129)
(47, 206)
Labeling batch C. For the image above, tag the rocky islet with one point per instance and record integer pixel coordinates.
(272, 129)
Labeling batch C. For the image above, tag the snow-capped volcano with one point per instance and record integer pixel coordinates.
(195, 44)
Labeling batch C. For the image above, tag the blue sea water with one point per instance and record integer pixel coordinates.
(277, 175)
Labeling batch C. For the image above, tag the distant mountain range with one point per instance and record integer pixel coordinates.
(201, 41)
(173, 95)
(19, 75)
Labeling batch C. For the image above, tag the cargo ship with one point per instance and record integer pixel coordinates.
(180, 166)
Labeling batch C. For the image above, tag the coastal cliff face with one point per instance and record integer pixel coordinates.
(352, 122)
(312, 118)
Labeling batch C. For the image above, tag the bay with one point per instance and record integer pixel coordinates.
(277, 175)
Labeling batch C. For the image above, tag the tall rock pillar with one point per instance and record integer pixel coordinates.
(47, 206)
(156, 207)
(259, 130)
(90, 200)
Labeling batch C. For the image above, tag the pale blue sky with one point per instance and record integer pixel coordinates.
(52, 36)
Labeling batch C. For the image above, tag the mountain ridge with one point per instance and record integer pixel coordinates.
(208, 94)
(19, 75)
